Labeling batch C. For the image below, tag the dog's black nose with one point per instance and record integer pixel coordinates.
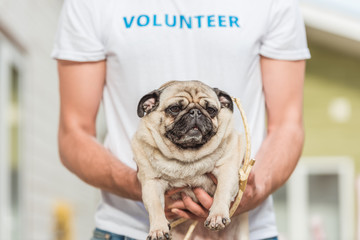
(195, 112)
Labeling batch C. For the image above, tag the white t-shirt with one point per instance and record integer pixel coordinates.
(147, 43)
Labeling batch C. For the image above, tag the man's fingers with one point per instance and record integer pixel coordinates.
(185, 214)
(204, 198)
(176, 204)
(170, 215)
(213, 178)
(173, 191)
(193, 207)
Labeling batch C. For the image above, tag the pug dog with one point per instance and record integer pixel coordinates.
(187, 131)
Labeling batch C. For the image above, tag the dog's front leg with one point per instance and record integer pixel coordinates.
(226, 189)
(153, 191)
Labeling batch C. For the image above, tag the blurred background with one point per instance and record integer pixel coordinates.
(41, 200)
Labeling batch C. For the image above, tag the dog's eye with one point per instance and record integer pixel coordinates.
(175, 109)
(211, 110)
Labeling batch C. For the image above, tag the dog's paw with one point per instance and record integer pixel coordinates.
(216, 222)
(160, 234)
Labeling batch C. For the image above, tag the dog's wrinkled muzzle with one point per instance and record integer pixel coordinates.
(192, 130)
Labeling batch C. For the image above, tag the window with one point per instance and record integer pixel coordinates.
(318, 202)
(10, 159)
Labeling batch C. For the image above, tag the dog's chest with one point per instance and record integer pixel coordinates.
(173, 170)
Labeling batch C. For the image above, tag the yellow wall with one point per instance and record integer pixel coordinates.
(332, 75)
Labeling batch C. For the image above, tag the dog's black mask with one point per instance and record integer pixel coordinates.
(192, 130)
(192, 127)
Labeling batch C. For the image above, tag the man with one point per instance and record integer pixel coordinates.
(117, 51)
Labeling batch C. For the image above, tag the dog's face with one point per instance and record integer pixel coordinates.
(187, 111)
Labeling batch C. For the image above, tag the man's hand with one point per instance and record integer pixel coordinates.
(187, 208)
(171, 205)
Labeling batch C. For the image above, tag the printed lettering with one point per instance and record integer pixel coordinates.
(234, 20)
(155, 23)
(143, 24)
(128, 24)
(211, 21)
(222, 21)
(199, 20)
(167, 21)
(183, 20)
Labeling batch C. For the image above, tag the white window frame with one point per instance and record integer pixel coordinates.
(297, 195)
(9, 56)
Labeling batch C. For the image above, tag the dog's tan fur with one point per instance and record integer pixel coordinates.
(162, 165)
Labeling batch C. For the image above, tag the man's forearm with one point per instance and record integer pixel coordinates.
(283, 83)
(278, 156)
(81, 90)
(90, 161)
(275, 161)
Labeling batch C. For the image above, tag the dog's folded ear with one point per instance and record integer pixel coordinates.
(148, 103)
(225, 99)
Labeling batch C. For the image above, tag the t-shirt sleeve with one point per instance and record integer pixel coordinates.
(78, 36)
(285, 38)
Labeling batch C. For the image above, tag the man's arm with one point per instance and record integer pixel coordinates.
(283, 84)
(279, 153)
(81, 88)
